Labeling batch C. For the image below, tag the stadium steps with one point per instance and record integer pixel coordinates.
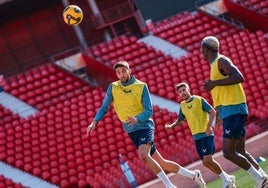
(165, 103)
(16, 106)
(162, 45)
(23, 178)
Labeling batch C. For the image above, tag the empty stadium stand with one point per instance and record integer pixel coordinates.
(52, 144)
(5, 182)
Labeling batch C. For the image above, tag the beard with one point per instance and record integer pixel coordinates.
(186, 97)
(125, 79)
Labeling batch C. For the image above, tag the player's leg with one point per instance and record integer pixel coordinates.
(173, 167)
(205, 147)
(242, 150)
(234, 130)
(143, 140)
(211, 164)
(228, 181)
(167, 165)
(229, 152)
(144, 155)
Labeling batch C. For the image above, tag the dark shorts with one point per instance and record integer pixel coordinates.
(234, 126)
(145, 136)
(205, 146)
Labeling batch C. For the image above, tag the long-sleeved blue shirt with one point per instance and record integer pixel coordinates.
(144, 119)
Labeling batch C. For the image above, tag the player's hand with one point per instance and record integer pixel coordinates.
(209, 85)
(218, 121)
(209, 130)
(131, 120)
(168, 126)
(91, 127)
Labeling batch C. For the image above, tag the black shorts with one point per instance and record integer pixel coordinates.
(144, 136)
(205, 146)
(234, 126)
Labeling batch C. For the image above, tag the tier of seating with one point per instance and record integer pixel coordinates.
(187, 31)
(6, 182)
(163, 72)
(53, 144)
(47, 83)
(259, 6)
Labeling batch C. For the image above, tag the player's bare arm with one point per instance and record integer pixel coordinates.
(218, 121)
(229, 69)
(226, 68)
(170, 126)
(212, 114)
(91, 126)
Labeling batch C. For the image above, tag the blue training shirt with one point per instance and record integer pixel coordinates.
(225, 111)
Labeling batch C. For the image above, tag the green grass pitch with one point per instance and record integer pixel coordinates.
(243, 179)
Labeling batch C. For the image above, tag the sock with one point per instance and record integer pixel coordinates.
(224, 176)
(261, 171)
(255, 173)
(163, 177)
(186, 172)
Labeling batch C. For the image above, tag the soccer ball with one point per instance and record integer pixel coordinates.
(72, 15)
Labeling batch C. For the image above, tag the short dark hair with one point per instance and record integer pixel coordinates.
(182, 84)
(121, 64)
(211, 42)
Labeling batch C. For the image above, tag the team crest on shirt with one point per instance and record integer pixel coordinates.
(127, 91)
(189, 107)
